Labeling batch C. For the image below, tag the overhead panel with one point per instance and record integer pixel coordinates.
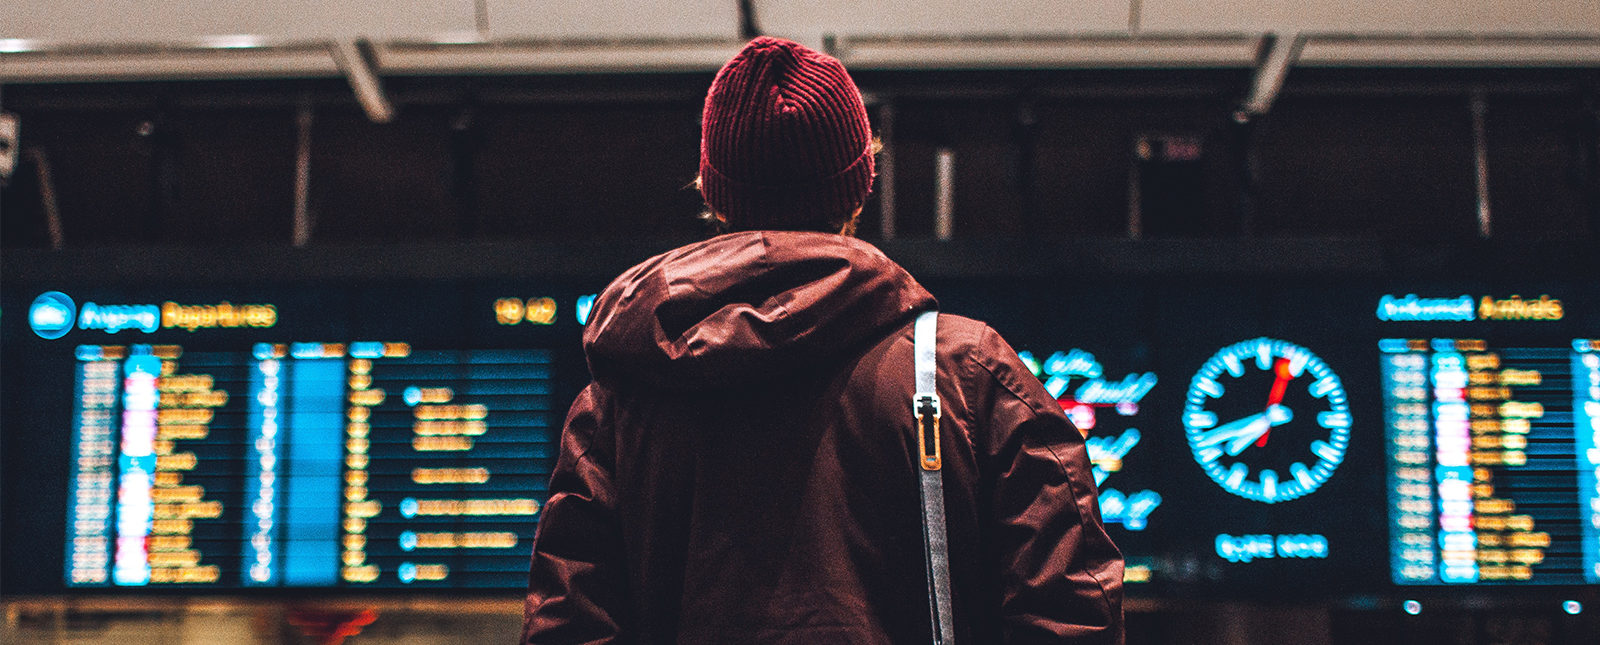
(67, 40)
(1372, 16)
(613, 20)
(1426, 33)
(808, 21)
(137, 22)
(590, 36)
(1004, 34)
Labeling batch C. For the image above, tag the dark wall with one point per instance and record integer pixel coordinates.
(1039, 155)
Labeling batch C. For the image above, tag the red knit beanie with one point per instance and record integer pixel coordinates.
(784, 140)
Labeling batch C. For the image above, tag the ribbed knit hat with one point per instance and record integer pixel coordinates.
(784, 140)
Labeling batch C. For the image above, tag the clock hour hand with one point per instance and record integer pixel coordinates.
(1276, 415)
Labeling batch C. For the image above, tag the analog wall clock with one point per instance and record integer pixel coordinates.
(1267, 420)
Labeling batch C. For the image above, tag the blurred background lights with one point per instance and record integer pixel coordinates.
(1411, 607)
(1572, 607)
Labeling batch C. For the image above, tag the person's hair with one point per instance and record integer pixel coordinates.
(717, 224)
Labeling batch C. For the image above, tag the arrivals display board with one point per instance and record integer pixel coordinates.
(1308, 436)
(1326, 436)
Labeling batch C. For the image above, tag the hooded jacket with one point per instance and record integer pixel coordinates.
(743, 467)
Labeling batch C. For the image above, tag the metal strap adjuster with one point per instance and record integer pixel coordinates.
(925, 405)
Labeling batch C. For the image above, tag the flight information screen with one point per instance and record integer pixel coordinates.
(306, 464)
(1492, 461)
(1323, 437)
(1276, 436)
(292, 438)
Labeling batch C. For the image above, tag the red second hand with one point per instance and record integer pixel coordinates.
(1280, 383)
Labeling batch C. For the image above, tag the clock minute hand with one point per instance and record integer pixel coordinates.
(1276, 415)
(1232, 429)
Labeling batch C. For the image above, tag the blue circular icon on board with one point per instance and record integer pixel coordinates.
(52, 315)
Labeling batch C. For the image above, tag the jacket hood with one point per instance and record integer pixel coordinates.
(743, 308)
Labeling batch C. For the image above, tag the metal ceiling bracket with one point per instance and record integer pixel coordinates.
(354, 61)
(1278, 54)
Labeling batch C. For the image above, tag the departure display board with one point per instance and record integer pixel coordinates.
(366, 463)
(211, 444)
(1309, 436)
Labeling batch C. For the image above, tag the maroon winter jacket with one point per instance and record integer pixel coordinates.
(742, 470)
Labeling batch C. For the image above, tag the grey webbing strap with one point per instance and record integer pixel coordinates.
(925, 407)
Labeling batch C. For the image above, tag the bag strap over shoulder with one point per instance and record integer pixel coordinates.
(926, 409)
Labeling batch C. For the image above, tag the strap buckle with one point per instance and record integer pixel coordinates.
(925, 405)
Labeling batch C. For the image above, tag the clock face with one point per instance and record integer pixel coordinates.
(1267, 420)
